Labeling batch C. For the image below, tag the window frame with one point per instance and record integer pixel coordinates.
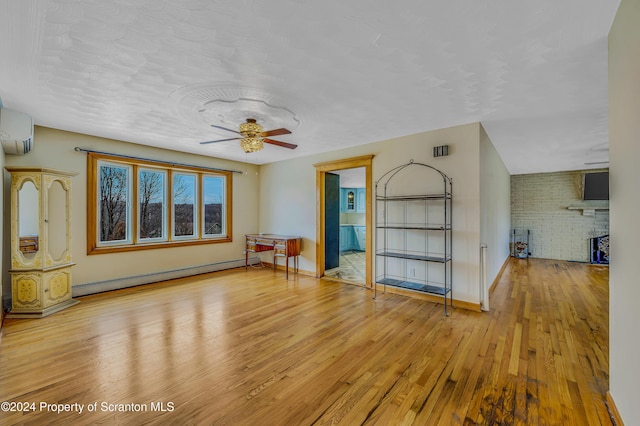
(196, 207)
(94, 246)
(129, 199)
(165, 198)
(203, 206)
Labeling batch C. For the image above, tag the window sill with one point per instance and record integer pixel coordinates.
(150, 246)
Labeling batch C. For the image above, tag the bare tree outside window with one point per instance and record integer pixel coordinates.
(184, 187)
(114, 197)
(151, 190)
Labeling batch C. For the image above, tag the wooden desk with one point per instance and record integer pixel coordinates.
(282, 246)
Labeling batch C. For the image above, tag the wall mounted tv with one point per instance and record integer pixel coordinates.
(596, 186)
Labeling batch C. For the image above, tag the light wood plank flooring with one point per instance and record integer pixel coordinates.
(250, 348)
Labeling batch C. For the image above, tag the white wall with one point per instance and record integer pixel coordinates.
(6, 283)
(288, 194)
(495, 206)
(539, 203)
(624, 143)
(55, 149)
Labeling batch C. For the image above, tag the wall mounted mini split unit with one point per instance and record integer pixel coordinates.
(16, 131)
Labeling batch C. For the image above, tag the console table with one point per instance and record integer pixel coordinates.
(282, 246)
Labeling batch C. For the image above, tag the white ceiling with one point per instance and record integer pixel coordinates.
(352, 178)
(335, 73)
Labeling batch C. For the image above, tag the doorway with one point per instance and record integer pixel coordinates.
(345, 225)
(366, 251)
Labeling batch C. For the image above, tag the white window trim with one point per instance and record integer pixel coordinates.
(196, 212)
(128, 239)
(223, 231)
(165, 200)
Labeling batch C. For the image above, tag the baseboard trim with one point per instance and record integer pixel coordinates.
(280, 267)
(613, 410)
(499, 276)
(469, 306)
(119, 283)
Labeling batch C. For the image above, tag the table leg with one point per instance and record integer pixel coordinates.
(287, 266)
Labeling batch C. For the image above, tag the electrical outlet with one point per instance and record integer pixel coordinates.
(412, 272)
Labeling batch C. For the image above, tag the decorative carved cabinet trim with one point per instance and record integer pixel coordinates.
(40, 241)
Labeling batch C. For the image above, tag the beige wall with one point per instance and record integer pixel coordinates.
(495, 206)
(280, 198)
(55, 149)
(291, 209)
(624, 143)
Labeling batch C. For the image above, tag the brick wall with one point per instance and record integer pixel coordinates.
(539, 203)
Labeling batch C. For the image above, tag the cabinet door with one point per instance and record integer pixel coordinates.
(361, 200)
(346, 238)
(353, 241)
(359, 238)
(349, 199)
(57, 287)
(26, 290)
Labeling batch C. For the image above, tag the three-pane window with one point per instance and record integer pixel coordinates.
(136, 204)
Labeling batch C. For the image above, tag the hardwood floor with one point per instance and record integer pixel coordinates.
(249, 348)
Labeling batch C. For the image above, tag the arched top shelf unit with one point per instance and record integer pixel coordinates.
(413, 230)
(398, 176)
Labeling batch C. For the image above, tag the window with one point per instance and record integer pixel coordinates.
(185, 213)
(138, 204)
(152, 205)
(114, 183)
(213, 212)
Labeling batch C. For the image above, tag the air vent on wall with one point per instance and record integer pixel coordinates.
(441, 151)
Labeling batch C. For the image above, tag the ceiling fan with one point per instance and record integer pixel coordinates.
(252, 138)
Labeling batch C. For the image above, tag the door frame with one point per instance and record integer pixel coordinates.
(330, 166)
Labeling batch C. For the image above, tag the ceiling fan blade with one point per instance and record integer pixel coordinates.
(275, 132)
(282, 144)
(224, 128)
(219, 140)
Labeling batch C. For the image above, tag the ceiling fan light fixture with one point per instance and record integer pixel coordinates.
(250, 128)
(253, 137)
(251, 144)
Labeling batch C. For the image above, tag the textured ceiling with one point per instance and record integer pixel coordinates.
(335, 73)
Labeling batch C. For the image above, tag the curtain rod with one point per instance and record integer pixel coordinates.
(131, 157)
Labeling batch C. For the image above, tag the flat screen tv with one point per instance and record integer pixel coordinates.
(596, 186)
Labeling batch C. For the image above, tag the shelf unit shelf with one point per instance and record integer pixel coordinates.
(416, 227)
(425, 288)
(414, 232)
(423, 257)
